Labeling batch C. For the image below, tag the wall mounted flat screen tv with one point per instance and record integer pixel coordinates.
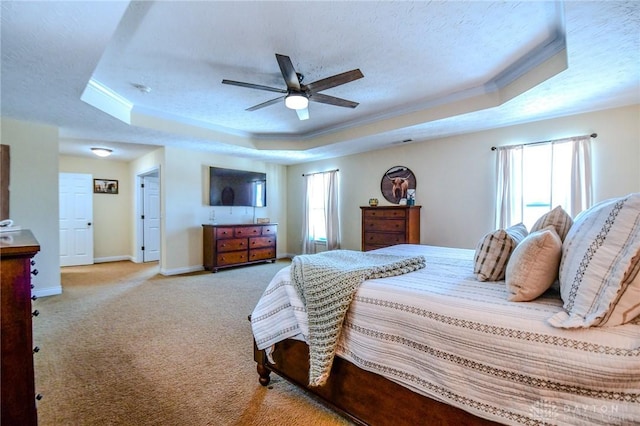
(230, 187)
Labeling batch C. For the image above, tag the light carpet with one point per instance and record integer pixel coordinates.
(124, 345)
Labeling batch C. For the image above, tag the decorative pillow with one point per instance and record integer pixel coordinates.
(600, 260)
(533, 265)
(628, 307)
(493, 252)
(558, 218)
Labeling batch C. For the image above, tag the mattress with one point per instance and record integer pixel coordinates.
(446, 335)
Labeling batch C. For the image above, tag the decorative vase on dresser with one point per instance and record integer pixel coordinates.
(385, 226)
(232, 245)
(18, 388)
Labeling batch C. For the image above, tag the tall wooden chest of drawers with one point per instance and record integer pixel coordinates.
(18, 388)
(233, 245)
(389, 225)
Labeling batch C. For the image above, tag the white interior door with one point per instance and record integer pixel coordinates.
(76, 219)
(151, 218)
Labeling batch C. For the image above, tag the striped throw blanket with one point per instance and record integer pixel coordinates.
(326, 283)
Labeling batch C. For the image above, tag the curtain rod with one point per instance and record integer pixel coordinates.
(309, 174)
(592, 135)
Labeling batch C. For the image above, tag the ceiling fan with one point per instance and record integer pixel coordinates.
(297, 95)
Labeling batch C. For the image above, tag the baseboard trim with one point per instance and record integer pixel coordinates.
(112, 259)
(49, 291)
(179, 271)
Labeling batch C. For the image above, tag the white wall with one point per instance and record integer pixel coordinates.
(111, 212)
(34, 194)
(151, 162)
(456, 175)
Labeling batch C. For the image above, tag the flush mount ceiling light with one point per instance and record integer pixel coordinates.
(142, 87)
(102, 152)
(296, 101)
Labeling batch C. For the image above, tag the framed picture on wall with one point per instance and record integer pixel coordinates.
(105, 186)
(397, 183)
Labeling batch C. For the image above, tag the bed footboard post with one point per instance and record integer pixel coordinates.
(261, 360)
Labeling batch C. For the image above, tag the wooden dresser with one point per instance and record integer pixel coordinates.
(18, 388)
(389, 225)
(233, 245)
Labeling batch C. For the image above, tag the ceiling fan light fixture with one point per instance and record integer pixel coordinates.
(102, 152)
(296, 101)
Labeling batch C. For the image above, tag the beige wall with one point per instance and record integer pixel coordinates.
(111, 212)
(455, 175)
(184, 182)
(184, 204)
(34, 194)
(455, 187)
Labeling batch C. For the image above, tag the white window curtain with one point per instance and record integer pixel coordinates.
(561, 169)
(321, 222)
(509, 201)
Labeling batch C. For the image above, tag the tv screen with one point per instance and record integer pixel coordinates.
(229, 187)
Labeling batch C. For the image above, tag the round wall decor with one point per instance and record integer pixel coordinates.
(395, 183)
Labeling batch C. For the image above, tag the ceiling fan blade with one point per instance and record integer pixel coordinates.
(288, 72)
(254, 86)
(332, 100)
(336, 80)
(303, 114)
(266, 104)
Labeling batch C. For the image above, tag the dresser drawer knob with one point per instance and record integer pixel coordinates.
(39, 396)
(34, 272)
(34, 297)
(35, 313)
(36, 349)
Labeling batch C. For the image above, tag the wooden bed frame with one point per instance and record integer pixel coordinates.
(363, 397)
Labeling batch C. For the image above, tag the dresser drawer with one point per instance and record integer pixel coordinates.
(269, 229)
(257, 242)
(385, 225)
(262, 253)
(247, 231)
(224, 232)
(232, 258)
(232, 244)
(383, 239)
(384, 213)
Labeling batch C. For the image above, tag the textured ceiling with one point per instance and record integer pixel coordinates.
(431, 69)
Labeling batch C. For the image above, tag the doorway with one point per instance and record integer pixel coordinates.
(149, 216)
(76, 219)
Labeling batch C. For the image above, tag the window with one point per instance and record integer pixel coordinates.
(321, 218)
(317, 218)
(259, 188)
(535, 178)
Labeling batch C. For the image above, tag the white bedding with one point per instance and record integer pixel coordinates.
(446, 335)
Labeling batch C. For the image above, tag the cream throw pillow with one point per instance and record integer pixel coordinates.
(493, 252)
(533, 266)
(599, 265)
(558, 218)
